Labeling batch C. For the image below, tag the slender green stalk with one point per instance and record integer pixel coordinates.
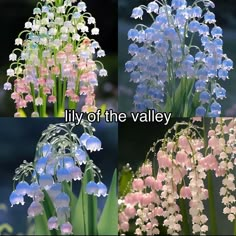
(185, 224)
(83, 203)
(33, 95)
(234, 227)
(63, 94)
(59, 94)
(55, 94)
(44, 105)
(213, 223)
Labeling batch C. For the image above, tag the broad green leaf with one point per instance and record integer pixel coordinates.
(84, 218)
(6, 227)
(125, 178)
(108, 221)
(41, 225)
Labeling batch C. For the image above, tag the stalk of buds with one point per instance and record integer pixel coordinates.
(184, 161)
(56, 59)
(171, 72)
(60, 156)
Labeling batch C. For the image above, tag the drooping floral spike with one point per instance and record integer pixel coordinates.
(56, 60)
(178, 61)
(184, 161)
(61, 157)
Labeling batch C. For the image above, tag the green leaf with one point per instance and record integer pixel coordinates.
(6, 227)
(41, 225)
(73, 199)
(125, 178)
(108, 221)
(41, 222)
(84, 218)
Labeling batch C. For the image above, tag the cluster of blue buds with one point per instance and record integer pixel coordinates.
(164, 54)
(60, 157)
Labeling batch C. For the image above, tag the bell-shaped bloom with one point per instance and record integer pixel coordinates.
(35, 209)
(45, 181)
(66, 228)
(63, 174)
(91, 188)
(54, 190)
(102, 189)
(68, 162)
(76, 173)
(62, 200)
(93, 144)
(185, 192)
(16, 199)
(83, 138)
(52, 223)
(41, 165)
(22, 188)
(46, 149)
(81, 156)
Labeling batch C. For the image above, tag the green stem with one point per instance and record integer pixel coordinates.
(63, 94)
(83, 204)
(33, 95)
(235, 227)
(185, 224)
(213, 223)
(55, 94)
(59, 98)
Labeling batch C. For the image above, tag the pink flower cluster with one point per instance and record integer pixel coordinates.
(56, 59)
(184, 161)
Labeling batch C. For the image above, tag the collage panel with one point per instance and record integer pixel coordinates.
(56, 55)
(117, 126)
(177, 56)
(177, 179)
(57, 178)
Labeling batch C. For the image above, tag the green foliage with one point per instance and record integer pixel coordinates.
(106, 221)
(125, 178)
(84, 216)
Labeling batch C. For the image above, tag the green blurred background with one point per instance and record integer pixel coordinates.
(226, 18)
(14, 14)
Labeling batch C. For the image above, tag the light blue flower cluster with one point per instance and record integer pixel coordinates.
(164, 56)
(60, 158)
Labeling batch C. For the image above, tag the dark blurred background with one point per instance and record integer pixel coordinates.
(18, 140)
(226, 18)
(14, 14)
(135, 140)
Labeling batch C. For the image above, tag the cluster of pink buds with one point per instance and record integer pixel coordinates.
(184, 160)
(56, 59)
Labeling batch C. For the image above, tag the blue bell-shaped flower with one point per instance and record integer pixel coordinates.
(22, 188)
(91, 188)
(45, 181)
(80, 156)
(16, 199)
(93, 144)
(102, 189)
(63, 174)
